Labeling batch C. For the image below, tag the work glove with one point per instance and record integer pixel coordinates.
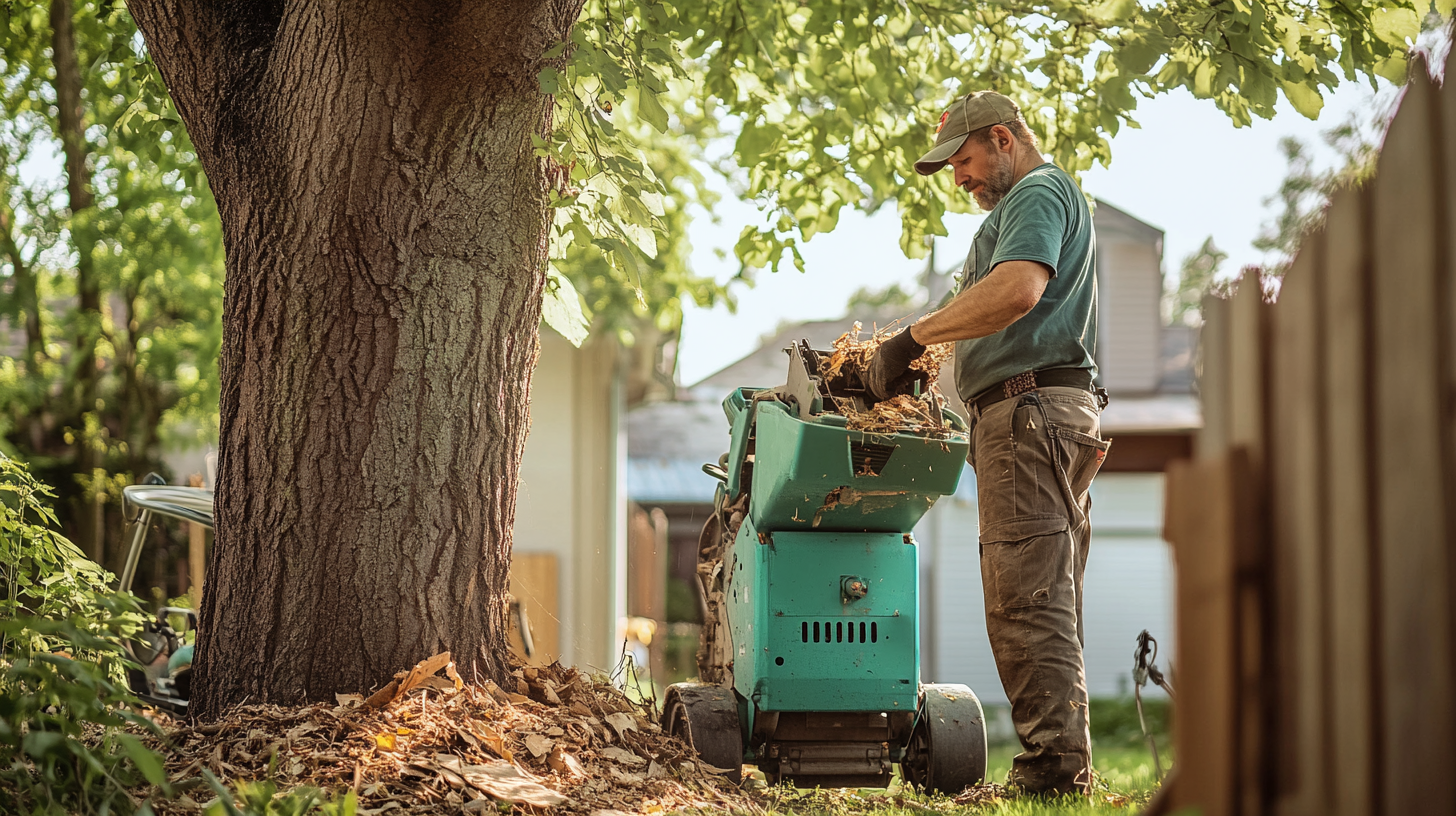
(889, 372)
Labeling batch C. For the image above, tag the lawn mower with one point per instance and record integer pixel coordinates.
(809, 665)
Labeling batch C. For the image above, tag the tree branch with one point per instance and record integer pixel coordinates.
(210, 56)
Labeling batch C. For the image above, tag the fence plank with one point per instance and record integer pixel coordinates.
(1353, 704)
(1296, 470)
(1416, 615)
(1213, 378)
(1445, 136)
(1199, 521)
(1247, 383)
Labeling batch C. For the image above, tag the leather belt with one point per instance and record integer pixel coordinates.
(1028, 380)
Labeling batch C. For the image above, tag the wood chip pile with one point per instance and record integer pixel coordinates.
(902, 414)
(557, 742)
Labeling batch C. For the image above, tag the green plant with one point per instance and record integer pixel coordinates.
(64, 747)
(261, 798)
(1114, 721)
(67, 727)
(42, 574)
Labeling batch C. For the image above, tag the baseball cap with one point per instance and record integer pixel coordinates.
(973, 111)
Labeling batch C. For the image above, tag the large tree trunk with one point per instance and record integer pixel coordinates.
(384, 215)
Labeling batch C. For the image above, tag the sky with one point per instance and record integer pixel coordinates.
(1187, 171)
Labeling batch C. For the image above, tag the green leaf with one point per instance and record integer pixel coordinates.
(1396, 26)
(1203, 80)
(147, 760)
(1109, 12)
(650, 109)
(561, 308)
(1304, 97)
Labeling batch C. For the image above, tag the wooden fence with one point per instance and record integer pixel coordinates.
(1314, 528)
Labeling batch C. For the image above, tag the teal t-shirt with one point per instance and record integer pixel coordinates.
(1044, 218)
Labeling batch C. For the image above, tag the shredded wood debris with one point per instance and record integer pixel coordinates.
(980, 795)
(851, 351)
(903, 413)
(558, 742)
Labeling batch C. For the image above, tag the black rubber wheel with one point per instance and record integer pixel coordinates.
(706, 718)
(946, 752)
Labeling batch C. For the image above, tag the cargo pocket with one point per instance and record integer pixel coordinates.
(1082, 456)
(1030, 565)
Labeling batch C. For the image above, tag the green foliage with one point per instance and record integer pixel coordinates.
(1183, 303)
(53, 758)
(68, 739)
(43, 575)
(150, 247)
(830, 103)
(262, 798)
(1114, 721)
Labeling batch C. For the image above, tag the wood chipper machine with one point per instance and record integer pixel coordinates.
(810, 658)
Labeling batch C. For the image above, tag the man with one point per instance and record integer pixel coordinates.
(1025, 325)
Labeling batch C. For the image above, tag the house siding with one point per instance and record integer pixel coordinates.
(1128, 588)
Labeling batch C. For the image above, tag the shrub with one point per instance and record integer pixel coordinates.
(64, 704)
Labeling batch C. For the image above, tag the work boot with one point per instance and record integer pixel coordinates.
(1051, 775)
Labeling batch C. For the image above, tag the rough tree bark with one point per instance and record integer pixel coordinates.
(384, 217)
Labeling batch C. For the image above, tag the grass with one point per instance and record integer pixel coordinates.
(1120, 756)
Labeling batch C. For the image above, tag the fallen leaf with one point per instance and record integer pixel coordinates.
(437, 684)
(502, 780)
(562, 762)
(625, 757)
(537, 745)
(655, 771)
(626, 778)
(295, 733)
(384, 696)
(385, 741)
(423, 669)
(555, 731)
(622, 722)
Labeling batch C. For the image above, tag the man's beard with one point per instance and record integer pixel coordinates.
(995, 187)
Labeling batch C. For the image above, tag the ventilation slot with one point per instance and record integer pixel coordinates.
(839, 632)
(868, 458)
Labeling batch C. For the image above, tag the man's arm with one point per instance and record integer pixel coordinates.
(1007, 294)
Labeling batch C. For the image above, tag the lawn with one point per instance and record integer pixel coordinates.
(1126, 778)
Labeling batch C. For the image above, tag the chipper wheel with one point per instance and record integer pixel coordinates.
(706, 717)
(947, 748)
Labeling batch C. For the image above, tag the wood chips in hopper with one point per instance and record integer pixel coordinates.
(903, 413)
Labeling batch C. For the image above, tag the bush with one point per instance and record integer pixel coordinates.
(1114, 720)
(64, 704)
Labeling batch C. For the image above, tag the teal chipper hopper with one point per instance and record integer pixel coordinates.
(810, 661)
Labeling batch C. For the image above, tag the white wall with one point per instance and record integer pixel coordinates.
(1128, 587)
(571, 501)
(1130, 283)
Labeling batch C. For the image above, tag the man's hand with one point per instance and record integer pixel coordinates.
(889, 371)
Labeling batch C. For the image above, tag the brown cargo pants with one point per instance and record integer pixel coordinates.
(1035, 455)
